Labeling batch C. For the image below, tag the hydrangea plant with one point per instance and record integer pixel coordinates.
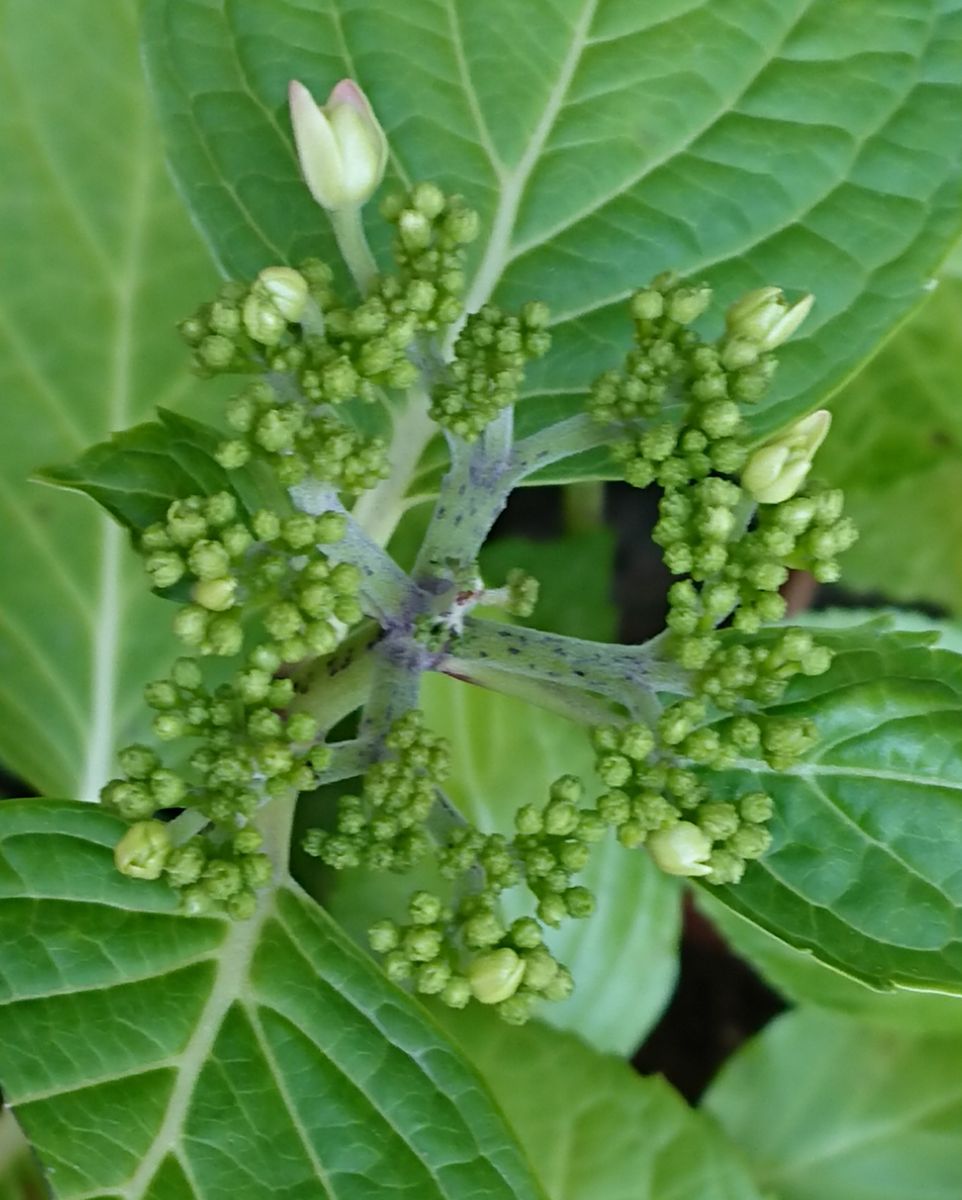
(315, 535)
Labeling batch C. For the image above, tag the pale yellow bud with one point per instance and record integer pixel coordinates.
(143, 850)
(341, 147)
(496, 976)
(777, 470)
(287, 289)
(766, 318)
(682, 849)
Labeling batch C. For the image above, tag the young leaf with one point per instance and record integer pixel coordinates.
(99, 262)
(141, 471)
(895, 448)
(624, 957)
(595, 1130)
(801, 978)
(602, 143)
(829, 1109)
(203, 1058)
(863, 870)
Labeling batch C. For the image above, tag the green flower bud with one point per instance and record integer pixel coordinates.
(561, 987)
(424, 908)
(777, 470)
(196, 901)
(766, 318)
(208, 560)
(718, 820)
(483, 929)
(241, 906)
(221, 879)
(495, 976)
(540, 968)
(682, 849)
(185, 864)
(552, 909)
(215, 595)
(525, 933)
(165, 568)
(431, 978)
(137, 761)
(560, 818)
(750, 841)
(190, 624)
(167, 788)
(383, 936)
(686, 304)
(579, 902)
(143, 850)
(341, 147)
(422, 944)
(330, 527)
(456, 992)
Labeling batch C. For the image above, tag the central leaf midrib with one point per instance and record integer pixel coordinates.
(233, 963)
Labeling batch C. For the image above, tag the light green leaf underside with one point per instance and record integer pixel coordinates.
(896, 448)
(19, 1175)
(865, 870)
(623, 957)
(99, 260)
(150, 1055)
(806, 142)
(593, 1128)
(826, 1108)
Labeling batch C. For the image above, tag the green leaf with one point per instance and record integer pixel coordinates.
(142, 470)
(828, 1109)
(623, 957)
(99, 261)
(595, 1130)
(156, 1056)
(811, 143)
(801, 978)
(863, 870)
(896, 448)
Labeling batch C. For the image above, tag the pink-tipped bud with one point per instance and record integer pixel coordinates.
(341, 147)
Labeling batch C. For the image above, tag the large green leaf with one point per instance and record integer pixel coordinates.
(593, 1128)
(864, 870)
(828, 1109)
(809, 142)
(98, 262)
(801, 978)
(623, 957)
(896, 448)
(152, 1056)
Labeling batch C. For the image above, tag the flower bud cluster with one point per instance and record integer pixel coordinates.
(657, 800)
(249, 745)
(463, 947)
(488, 368)
(211, 878)
(383, 827)
(272, 562)
(432, 231)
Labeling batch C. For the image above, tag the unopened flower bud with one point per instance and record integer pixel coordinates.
(287, 290)
(143, 850)
(341, 147)
(682, 849)
(766, 318)
(496, 976)
(776, 471)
